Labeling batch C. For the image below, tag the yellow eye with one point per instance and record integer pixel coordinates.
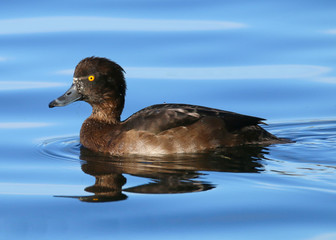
(91, 78)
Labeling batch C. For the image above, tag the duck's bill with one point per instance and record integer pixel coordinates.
(70, 96)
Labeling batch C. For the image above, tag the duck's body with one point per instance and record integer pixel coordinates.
(158, 129)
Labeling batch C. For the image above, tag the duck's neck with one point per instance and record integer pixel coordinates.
(107, 112)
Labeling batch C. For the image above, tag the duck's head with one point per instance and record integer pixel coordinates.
(97, 81)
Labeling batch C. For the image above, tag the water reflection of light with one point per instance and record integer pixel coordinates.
(66, 24)
(328, 79)
(19, 85)
(236, 72)
(325, 236)
(331, 31)
(38, 189)
(16, 125)
(225, 73)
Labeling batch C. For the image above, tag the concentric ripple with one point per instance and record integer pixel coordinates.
(61, 148)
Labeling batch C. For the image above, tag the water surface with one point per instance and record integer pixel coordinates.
(273, 60)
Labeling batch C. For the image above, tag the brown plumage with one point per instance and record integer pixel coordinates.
(158, 129)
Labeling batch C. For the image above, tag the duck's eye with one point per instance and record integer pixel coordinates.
(91, 78)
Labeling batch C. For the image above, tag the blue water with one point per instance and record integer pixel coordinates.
(271, 59)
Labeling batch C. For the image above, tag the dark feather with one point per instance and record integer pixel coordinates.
(161, 117)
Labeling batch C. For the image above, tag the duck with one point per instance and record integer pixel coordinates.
(160, 129)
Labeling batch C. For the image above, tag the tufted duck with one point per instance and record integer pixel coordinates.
(158, 129)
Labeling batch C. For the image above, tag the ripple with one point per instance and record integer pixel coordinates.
(321, 134)
(311, 155)
(61, 148)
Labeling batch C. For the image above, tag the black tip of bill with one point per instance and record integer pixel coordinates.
(52, 104)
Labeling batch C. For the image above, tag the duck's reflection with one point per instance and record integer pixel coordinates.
(168, 174)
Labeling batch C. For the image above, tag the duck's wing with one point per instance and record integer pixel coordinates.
(160, 117)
